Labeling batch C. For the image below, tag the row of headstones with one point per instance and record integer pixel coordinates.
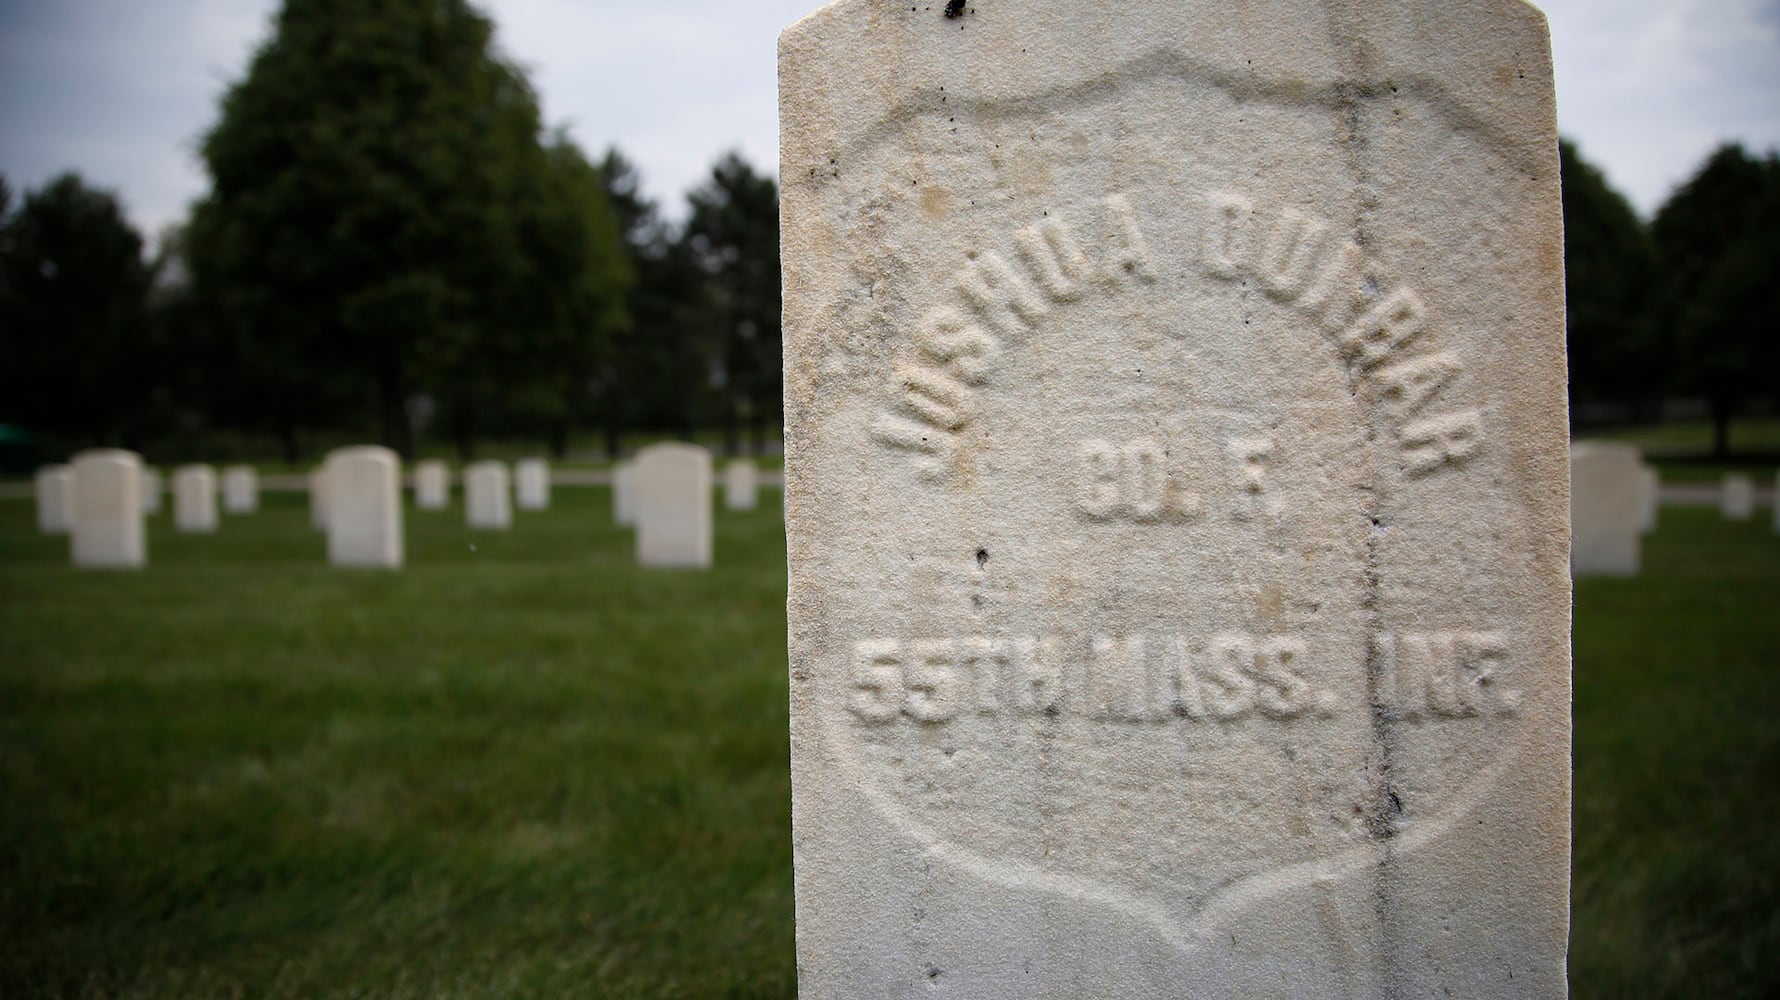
(665, 494)
(195, 489)
(1614, 498)
(102, 496)
(490, 493)
(195, 493)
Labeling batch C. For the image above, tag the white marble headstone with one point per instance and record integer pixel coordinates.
(674, 506)
(194, 499)
(741, 481)
(1651, 497)
(532, 483)
(364, 512)
(488, 500)
(1608, 491)
(1737, 498)
(151, 490)
(624, 493)
(1176, 444)
(54, 487)
(107, 530)
(432, 485)
(240, 490)
(318, 497)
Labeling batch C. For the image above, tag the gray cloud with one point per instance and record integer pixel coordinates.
(120, 90)
(1649, 87)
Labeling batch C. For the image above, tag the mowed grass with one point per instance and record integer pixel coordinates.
(524, 767)
(1677, 781)
(520, 767)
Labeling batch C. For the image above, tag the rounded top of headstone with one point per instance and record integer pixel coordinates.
(486, 464)
(192, 467)
(105, 455)
(1475, 62)
(673, 448)
(360, 452)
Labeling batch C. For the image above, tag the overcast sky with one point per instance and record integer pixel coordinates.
(120, 89)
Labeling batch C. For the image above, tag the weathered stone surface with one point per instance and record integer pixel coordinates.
(1737, 498)
(432, 485)
(106, 532)
(240, 490)
(532, 483)
(674, 506)
(194, 499)
(488, 496)
(741, 485)
(55, 499)
(1608, 493)
(318, 497)
(151, 490)
(1651, 498)
(624, 493)
(1177, 466)
(364, 507)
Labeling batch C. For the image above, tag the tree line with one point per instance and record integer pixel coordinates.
(391, 240)
(1683, 306)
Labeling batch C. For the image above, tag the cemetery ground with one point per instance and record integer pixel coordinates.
(520, 766)
(525, 767)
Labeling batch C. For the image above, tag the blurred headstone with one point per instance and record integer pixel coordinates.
(107, 529)
(741, 481)
(240, 490)
(55, 499)
(674, 506)
(194, 499)
(432, 485)
(1738, 497)
(1608, 492)
(151, 490)
(488, 500)
(624, 493)
(532, 483)
(318, 497)
(1176, 446)
(364, 522)
(1651, 498)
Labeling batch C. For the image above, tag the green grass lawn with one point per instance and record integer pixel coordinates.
(524, 767)
(1677, 860)
(520, 767)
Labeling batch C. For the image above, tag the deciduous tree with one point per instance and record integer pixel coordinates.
(75, 351)
(1617, 354)
(734, 234)
(377, 182)
(1719, 236)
